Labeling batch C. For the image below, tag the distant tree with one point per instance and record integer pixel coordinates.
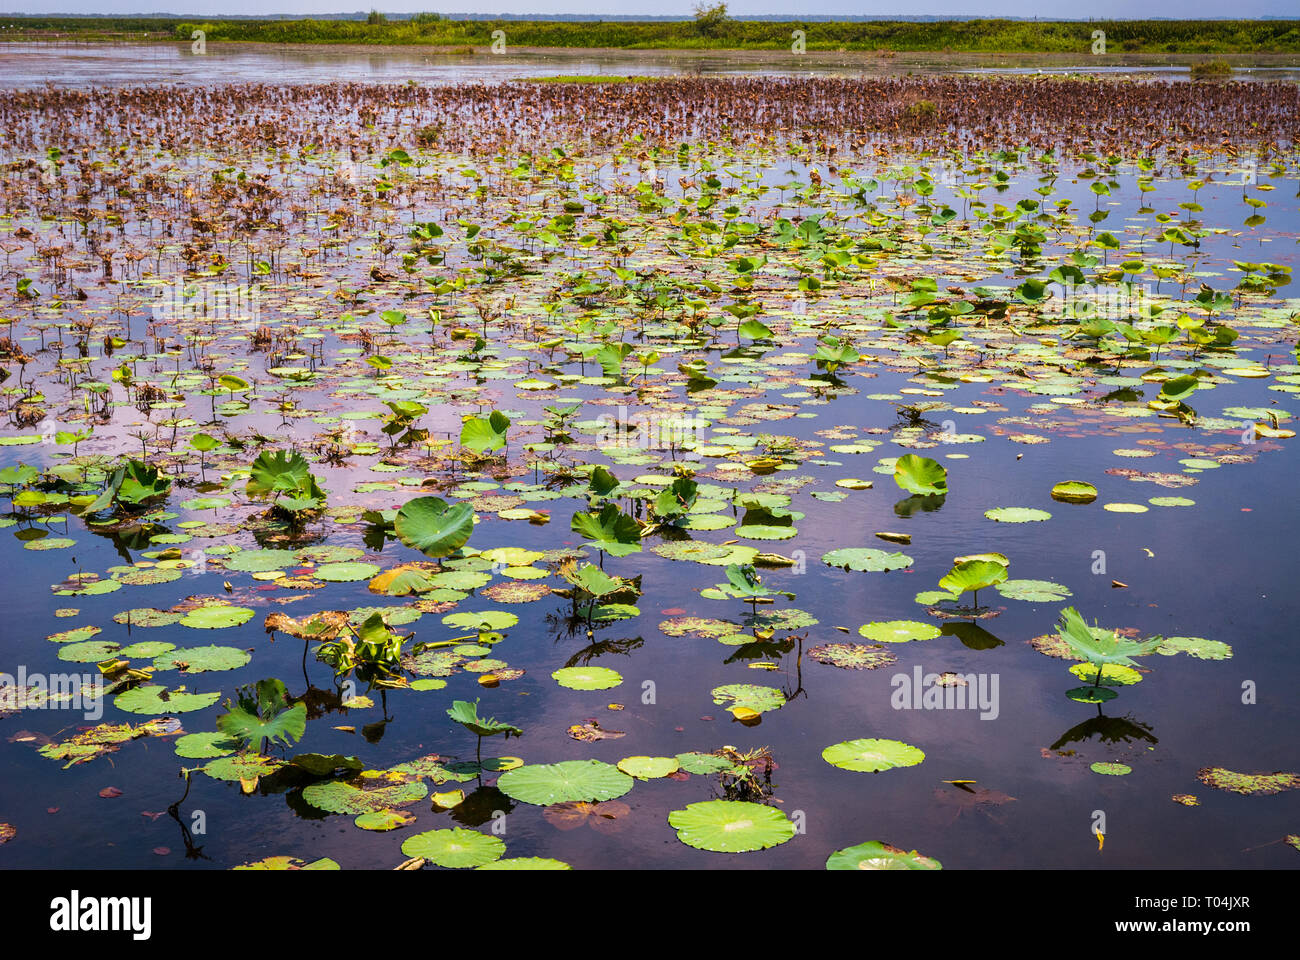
(710, 21)
(426, 18)
(375, 18)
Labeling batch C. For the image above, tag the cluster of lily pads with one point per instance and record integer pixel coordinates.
(450, 376)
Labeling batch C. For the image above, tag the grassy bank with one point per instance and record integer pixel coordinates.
(1122, 36)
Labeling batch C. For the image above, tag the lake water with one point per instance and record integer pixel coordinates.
(1221, 568)
(124, 64)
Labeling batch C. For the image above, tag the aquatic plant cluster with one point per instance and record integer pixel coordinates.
(438, 387)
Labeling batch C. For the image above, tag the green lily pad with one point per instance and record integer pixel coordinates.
(1248, 783)
(748, 696)
(202, 659)
(1112, 674)
(383, 820)
(482, 620)
(158, 699)
(866, 559)
(242, 766)
(146, 650)
(875, 855)
(75, 635)
(1197, 647)
(872, 756)
(1017, 514)
(339, 796)
(1074, 491)
(213, 743)
(261, 561)
(347, 572)
(457, 847)
(898, 631)
(703, 763)
(921, 476)
(216, 617)
(1111, 769)
(852, 656)
(526, 863)
(730, 826)
(148, 617)
(648, 768)
(1033, 591)
(587, 678)
(89, 651)
(567, 781)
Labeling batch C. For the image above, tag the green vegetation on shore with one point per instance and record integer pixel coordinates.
(712, 29)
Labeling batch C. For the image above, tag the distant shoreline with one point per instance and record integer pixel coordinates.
(1190, 38)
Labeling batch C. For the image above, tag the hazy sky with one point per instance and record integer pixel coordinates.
(1046, 9)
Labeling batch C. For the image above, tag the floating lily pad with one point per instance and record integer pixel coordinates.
(347, 572)
(1074, 491)
(729, 826)
(1248, 783)
(748, 696)
(339, 796)
(872, 756)
(1017, 514)
(703, 763)
(1111, 769)
(90, 651)
(1033, 591)
(207, 744)
(526, 863)
(1197, 647)
(217, 617)
(202, 659)
(866, 559)
(383, 820)
(875, 855)
(146, 650)
(648, 768)
(148, 617)
(158, 699)
(1125, 507)
(1112, 674)
(261, 561)
(898, 631)
(587, 678)
(242, 767)
(852, 656)
(568, 781)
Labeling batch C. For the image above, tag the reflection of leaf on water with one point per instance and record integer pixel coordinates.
(965, 797)
(480, 807)
(1122, 395)
(972, 635)
(1109, 729)
(762, 649)
(590, 652)
(604, 817)
(319, 702)
(910, 505)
